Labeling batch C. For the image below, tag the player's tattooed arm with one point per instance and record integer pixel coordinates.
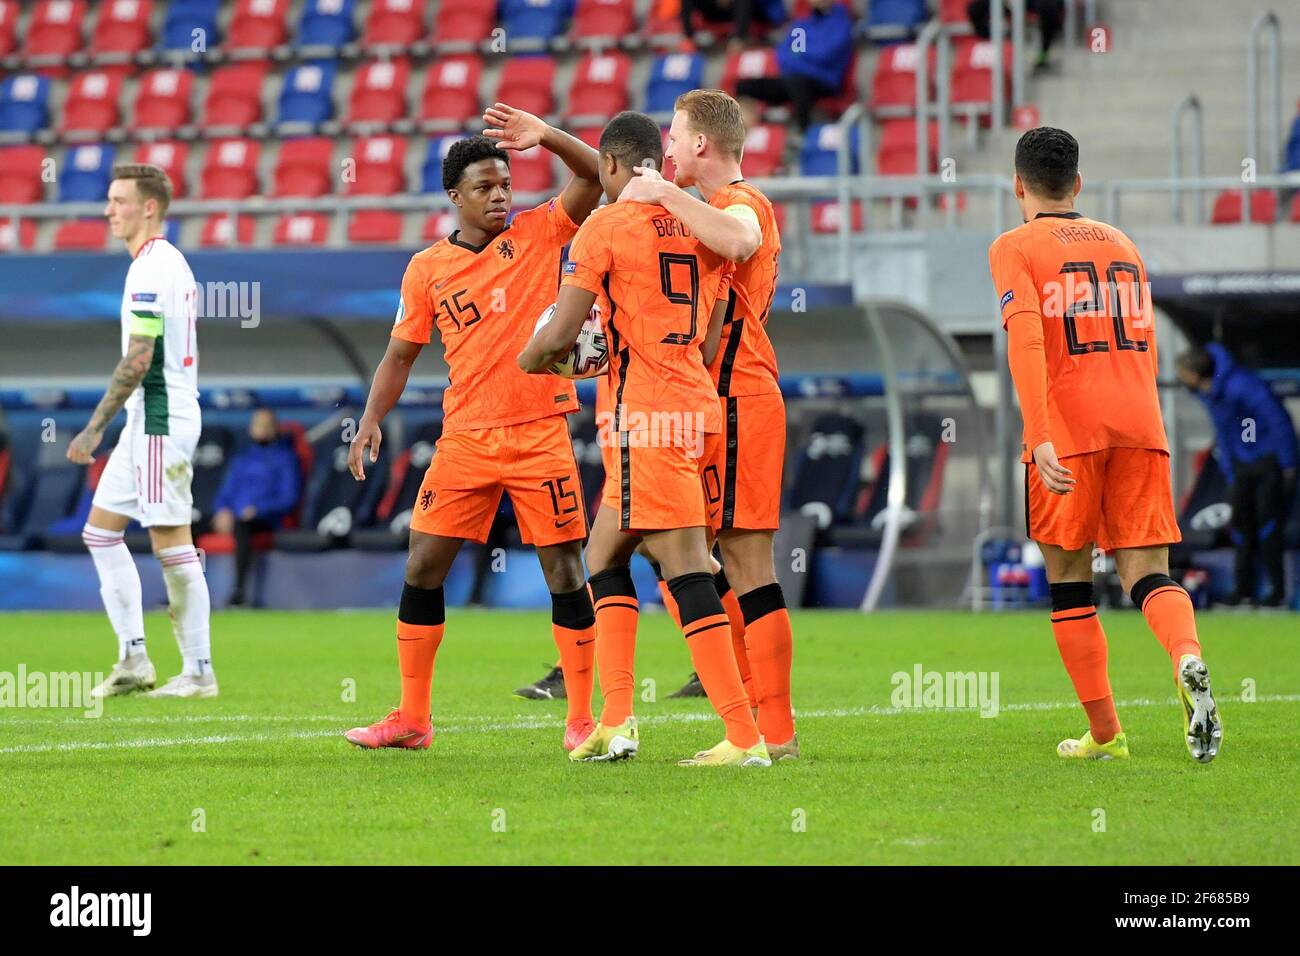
(572, 306)
(732, 236)
(126, 379)
(516, 129)
(385, 389)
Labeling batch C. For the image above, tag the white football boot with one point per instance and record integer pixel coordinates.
(128, 675)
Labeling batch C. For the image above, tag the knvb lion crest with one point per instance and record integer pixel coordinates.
(506, 249)
(426, 499)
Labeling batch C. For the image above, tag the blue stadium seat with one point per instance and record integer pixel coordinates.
(24, 104)
(307, 93)
(391, 519)
(672, 75)
(818, 157)
(327, 23)
(1292, 161)
(534, 20)
(895, 18)
(335, 503)
(431, 174)
(186, 16)
(86, 172)
(826, 474)
(46, 498)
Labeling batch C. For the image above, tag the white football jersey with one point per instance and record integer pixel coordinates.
(161, 300)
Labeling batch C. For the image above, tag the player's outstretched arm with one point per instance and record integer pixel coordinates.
(126, 379)
(572, 306)
(386, 388)
(733, 235)
(516, 129)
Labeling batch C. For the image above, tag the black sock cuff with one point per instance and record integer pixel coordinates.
(1152, 582)
(423, 606)
(1071, 594)
(572, 609)
(720, 582)
(612, 582)
(761, 602)
(657, 569)
(696, 596)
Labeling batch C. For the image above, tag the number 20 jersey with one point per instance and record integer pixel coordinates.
(484, 301)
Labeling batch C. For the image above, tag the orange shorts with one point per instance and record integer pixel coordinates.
(533, 461)
(1122, 498)
(744, 478)
(657, 486)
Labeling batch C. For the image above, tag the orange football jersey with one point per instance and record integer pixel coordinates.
(484, 301)
(1086, 283)
(661, 284)
(746, 362)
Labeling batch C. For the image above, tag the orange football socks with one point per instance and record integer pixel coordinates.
(420, 620)
(1082, 643)
(1170, 615)
(573, 624)
(616, 610)
(771, 655)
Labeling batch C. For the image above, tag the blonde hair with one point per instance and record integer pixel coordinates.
(717, 116)
(151, 181)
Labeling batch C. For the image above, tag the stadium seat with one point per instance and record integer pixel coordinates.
(598, 88)
(826, 216)
(972, 76)
(1294, 214)
(375, 226)
(893, 85)
(1227, 207)
(24, 103)
(327, 23)
(85, 174)
(819, 156)
(1204, 513)
(235, 95)
(835, 105)
(396, 22)
(603, 22)
(896, 155)
(257, 25)
(211, 455)
(379, 92)
(892, 19)
(17, 235)
(190, 22)
(431, 172)
(54, 29)
(169, 156)
(670, 76)
(527, 83)
(748, 65)
(461, 27)
(334, 503)
(306, 96)
(392, 515)
(163, 99)
(450, 96)
(230, 169)
(9, 12)
(663, 25)
(532, 24)
(764, 150)
(91, 106)
(588, 134)
(438, 225)
(952, 14)
(303, 168)
(531, 170)
(219, 229)
(1292, 161)
(380, 166)
(20, 174)
(302, 229)
(47, 496)
(122, 28)
(826, 470)
(81, 235)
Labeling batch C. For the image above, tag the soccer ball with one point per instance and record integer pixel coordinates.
(589, 356)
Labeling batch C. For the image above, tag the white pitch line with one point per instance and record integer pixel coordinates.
(481, 724)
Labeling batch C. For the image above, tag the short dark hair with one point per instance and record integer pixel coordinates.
(632, 137)
(151, 182)
(1047, 160)
(465, 152)
(1197, 361)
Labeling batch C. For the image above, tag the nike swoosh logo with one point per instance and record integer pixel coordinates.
(561, 524)
(439, 285)
(588, 641)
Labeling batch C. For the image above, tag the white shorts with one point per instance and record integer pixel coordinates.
(148, 477)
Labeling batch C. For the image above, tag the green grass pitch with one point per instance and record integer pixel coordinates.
(266, 773)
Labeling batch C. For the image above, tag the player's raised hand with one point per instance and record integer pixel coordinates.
(81, 450)
(1055, 476)
(646, 185)
(368, 436)
(512, 128)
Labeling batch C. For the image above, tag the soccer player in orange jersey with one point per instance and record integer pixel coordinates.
(666, 293)
(1082, 350)
(706, 142)
(481, 289)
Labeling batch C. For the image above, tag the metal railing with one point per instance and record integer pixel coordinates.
(1189, 105)
(1271, 23)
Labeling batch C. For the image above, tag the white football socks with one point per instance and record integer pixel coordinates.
(119, 586)
(190, 606)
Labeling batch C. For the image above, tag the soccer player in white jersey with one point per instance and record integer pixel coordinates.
(148, 474)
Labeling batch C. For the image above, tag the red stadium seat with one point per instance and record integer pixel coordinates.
(235, 94)
(972, 75)
(123, 27)
(17, 235)
(257, 25)
(171, 157)
(163, 100)
(438, 225)
(589, 135)
(9, 11)
(527, 83)
(303, 167)
(896, 155)
(89, 235)
(379, 92)
(375, 225)
(220, 230)
(598, 89)
(663, 27)
(91, 105)
(748, 65)
(835, 105)
(826, 216)
(463, 26)
(778, 213)
(450, 97)
(531, 170)
(764, 150)
(20, 174)
(1294, 214)
(1227, 207)
(230, 169)
(380, 166)
(893, 86)
(952, 13)
(602, 22)
(54, 29)
(302, 229)
(398, 22)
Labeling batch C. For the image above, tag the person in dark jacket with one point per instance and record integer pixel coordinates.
(260, 489)
(740, 13)
(1257, 452)
(813, 59)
